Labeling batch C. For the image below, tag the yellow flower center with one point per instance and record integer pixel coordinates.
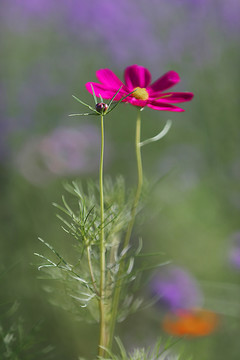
(140, 93)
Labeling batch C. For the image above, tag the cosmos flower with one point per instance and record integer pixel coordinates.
(193, 322)
(143, 92)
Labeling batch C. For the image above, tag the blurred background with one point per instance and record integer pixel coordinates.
(49, 50)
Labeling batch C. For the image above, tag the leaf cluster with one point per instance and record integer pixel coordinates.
(110, 106)
(78, 280)
(79, 214)
(17, 343)
(159, 351)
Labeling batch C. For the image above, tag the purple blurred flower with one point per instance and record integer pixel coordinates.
(49, 87)
(20, 14)
(234, 252)
(53, 40)
(66, 151)
(174, 288)
(169, 30)
(230, 12)
(117, 30)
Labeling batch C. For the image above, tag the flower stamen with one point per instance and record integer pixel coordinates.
(140, 93)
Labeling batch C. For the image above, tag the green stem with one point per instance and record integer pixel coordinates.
(140, 180)
(91, 270)
(103, 330)
(118, 286)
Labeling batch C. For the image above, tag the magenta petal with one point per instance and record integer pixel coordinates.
(166, 81)
(136, 102)
(137, 76)
(161, 106)
(102, 90)
(176, 97)
(108, 78)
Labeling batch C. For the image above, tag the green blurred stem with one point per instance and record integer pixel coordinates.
(118, 286)
(91, 270)
(102, 309)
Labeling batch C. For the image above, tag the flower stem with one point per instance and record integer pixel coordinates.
(91, 270)
(103, 330)
(140, 180)
(118, 286)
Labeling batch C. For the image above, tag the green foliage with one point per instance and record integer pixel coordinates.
(17, 343)
(81, 220)
(77, 282)
(109, 108)
(159, 351)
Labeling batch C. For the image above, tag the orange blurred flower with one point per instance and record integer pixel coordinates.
(193, 322)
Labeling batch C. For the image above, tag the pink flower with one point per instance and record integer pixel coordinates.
(138, 79)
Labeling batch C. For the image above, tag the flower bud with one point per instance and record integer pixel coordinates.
(101, 107)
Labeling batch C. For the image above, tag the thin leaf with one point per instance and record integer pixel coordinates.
(130, 266)
(137, 252)
(115, 105)
(159, 135)
(124, 251)
(83, 103)
(85, 220)
(67, 231)
(84, 114)
(112, 99)
(80, 279)
(107, 351)
(53, 250)
(170, 343)
(94, 95)
(45, 266)
(121, 347)
(68, 207)
(70, 226)
(84, 300)
(59, 207)
(43, 257)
